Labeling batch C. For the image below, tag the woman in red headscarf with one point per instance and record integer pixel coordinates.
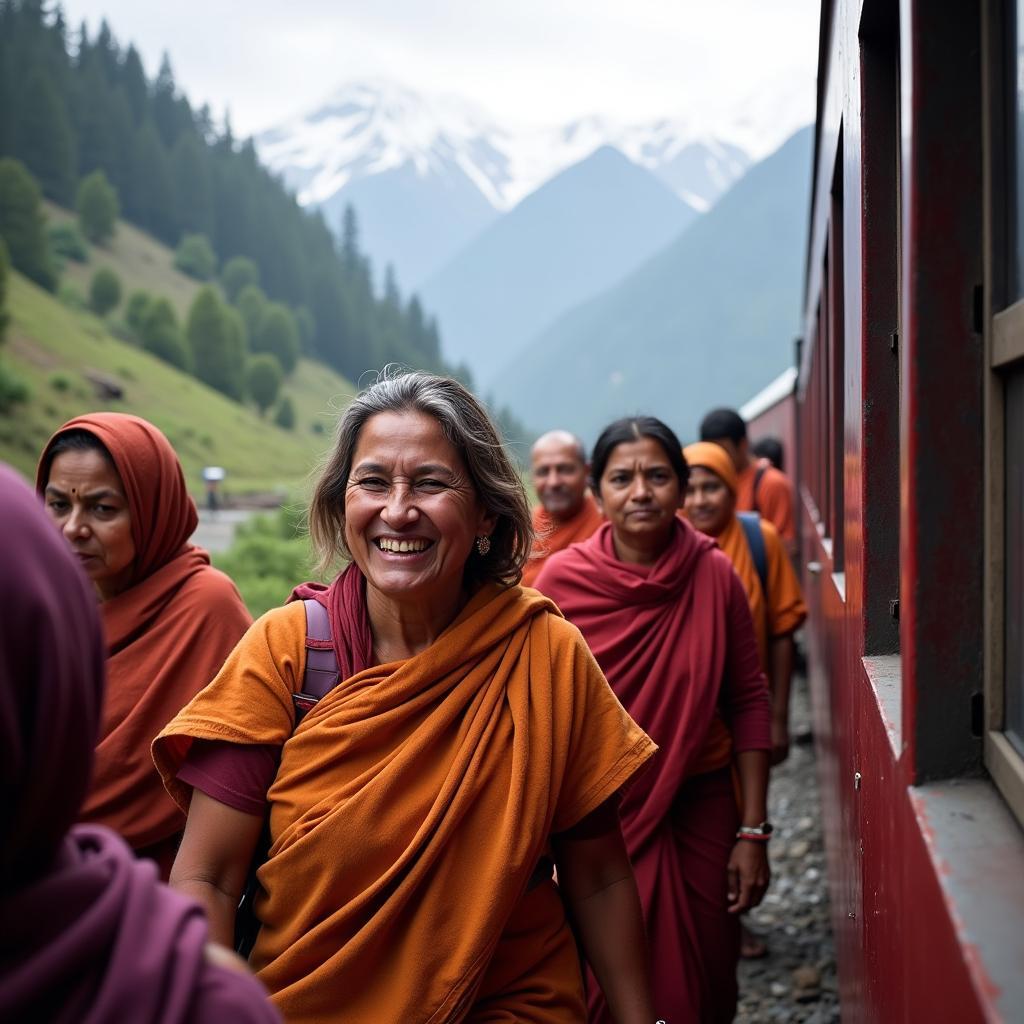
(667, 619)
(88, 934)
(115, 488)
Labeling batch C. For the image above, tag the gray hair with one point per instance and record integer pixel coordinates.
(470, 430)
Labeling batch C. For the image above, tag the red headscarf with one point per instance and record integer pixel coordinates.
(167, 634)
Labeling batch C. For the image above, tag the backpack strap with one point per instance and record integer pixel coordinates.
(751, 523)
(758, 477)
(322, 671)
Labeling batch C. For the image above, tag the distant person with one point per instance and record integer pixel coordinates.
(770, 449)
(470, 739)
(213, 476)
(773, 593)
(88, 932)
(760, 488)
(667, 619)
(113, 486)
(567, 512)
(776, 603)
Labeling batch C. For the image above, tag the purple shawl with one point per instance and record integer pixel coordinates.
(87, 935)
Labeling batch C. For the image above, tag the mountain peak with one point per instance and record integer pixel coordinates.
(368, 126)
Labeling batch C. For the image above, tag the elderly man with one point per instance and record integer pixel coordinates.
(761, 488)
(567, 512)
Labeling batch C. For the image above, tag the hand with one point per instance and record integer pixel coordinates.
(780, 740)
(747, 875)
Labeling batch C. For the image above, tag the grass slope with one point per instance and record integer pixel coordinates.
(53, 347)
(138, 259)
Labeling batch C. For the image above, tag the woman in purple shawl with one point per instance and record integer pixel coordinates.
(87, 934)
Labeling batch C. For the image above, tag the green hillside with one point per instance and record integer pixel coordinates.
(56, 349)
(137, 258)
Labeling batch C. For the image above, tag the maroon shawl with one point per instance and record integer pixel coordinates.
(87, 935)
(659, 633)
(670, 637)
(345, 601)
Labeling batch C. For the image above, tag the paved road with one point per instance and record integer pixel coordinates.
(216, 530)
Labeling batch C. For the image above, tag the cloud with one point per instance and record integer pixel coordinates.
(532, 61)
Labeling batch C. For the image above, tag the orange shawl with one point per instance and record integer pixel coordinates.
(782, 609)
(413, 802)
(552, 537)
(167, 635)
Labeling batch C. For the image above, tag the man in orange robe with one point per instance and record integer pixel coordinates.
(759, 487)
(567, 512)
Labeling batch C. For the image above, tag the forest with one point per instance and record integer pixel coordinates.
(82, 117)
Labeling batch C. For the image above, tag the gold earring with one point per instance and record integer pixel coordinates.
(483, 545)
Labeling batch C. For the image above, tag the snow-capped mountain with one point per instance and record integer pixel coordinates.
(428, 173)
(372, 126)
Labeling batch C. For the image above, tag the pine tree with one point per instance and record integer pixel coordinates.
(22, 224)
(263, 378)
(195, 257)
(104, 291)
(154, 318)
(285, 415)
(333, 325)
(136, 309)
(350, 255)
(134, 86)
(236, 274)
(165, 103)
(214, 345)
(46, 144)
(278, 335)
(192, 188)
(98, 208)
(307, 328)
(155, 205)
(251, 303)
(93, 130)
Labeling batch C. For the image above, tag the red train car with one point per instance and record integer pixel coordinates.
(772, 413)
(910, 473)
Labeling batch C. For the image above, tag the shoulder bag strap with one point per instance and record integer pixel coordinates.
(751, 523)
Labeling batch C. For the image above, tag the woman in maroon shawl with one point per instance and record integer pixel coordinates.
(667, 619)
(87, 934)
(114, 487)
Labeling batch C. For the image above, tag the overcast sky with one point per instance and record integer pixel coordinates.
(532, 61)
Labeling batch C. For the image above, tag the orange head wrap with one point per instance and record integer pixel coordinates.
(715, 458)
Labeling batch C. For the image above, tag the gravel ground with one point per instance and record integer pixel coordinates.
(797, 980)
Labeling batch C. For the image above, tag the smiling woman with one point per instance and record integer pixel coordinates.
(470, 740)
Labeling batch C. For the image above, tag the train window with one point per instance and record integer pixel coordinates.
(836, 382)
(1014, 560)
(1004, 388)
(1018, 118)
(881, 356)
